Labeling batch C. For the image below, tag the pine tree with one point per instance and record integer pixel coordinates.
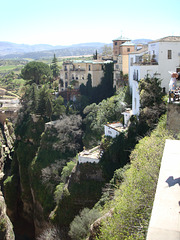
(151, 100)
(55, 67)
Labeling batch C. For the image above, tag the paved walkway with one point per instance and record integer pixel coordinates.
(165, 218)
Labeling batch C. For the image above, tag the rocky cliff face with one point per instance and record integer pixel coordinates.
(83, 189)
(6, 137)
(36, 171)
(6, 227)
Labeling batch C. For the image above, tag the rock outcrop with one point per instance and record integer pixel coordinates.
(95, 227)
(6, 227)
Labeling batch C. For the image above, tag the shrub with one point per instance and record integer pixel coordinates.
(51, 233)
(67, 170)
(58, 192)
(81, 223)
(134, 199)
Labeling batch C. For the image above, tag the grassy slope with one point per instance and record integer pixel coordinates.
(134, 197)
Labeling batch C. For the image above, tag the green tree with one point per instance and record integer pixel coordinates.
(58, 107)
(36, 72)
(97, 115)
(49, 108)
(134, 197)
(55, 68)
(106, 50)
(79, 227)
(95, 55)
(103, 90)
(151, 100)
(44, 107)
(34, 98)
(89, 86)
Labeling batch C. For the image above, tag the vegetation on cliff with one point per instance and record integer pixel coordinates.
(97, 115)
(134, 186)
(48, 183)
(134, 197)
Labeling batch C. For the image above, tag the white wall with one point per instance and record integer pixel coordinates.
(108, 131)
(127, 116)
(154, 47)
(143, 70)
(135, 99)
(166, 64)
(87, 159)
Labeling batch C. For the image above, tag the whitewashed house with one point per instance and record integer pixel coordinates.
(160, 57)
(127, 114)
(113, 129)
(89, 156)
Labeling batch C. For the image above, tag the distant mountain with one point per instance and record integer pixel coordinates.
(142, 41)
(19, 51)
(38, 51)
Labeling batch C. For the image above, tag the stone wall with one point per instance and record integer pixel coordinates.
(173, 117)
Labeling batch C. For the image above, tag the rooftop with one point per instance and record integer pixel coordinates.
(128, 43)
(116, 125)
(168, 39)
(142, 50)
(91, 155)
(121, 38)
(93, 61)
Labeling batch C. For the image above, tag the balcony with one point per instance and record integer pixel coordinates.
(144, 63)
(77, 69)
(145, 59)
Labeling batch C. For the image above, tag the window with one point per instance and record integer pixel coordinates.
(66, 84)
(169, 54)
(65, 68)
(66, 76)
(131, 61)
(128, 49)
(115, 43)
(117, 75)
(117, 66)
(89, 67)
(109, 132)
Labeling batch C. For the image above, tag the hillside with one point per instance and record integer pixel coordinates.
(11, 50)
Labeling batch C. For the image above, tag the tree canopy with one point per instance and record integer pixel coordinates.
(54, 67)
(96, 115)
(151, 99)
(103, 90)
(36, 72)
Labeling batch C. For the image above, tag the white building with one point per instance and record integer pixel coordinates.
(160, 57)
(113, 129)
(127, 114)
(89, 156)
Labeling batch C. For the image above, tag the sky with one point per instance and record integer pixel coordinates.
(66, 22)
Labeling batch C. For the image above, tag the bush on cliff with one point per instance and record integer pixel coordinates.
(60, 142)
(134, 198)
(81, 223)
(96, 116)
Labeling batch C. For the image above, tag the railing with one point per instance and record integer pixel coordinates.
(144, 63)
